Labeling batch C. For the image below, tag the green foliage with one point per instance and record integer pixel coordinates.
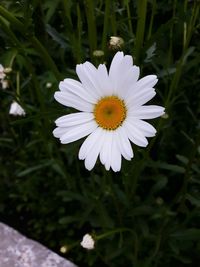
(146, 215)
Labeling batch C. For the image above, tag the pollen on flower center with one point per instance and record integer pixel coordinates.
(110, 112)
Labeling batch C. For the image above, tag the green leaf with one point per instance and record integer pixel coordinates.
(142, 210)
(167, 166)
(58, 169)
(174, 246)
(188, 234)
(104, 217)
(182, 159)
(166, 72)
(161, 183)
(193, 200)
(57, 37)
(70, 196)
(68, 219)
(183, 259)
(34, 169)
(188, 53)
(150, 53)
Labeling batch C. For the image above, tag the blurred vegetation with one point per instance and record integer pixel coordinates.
(149, 213)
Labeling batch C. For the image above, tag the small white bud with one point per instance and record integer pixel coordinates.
(87, 242)
(7, 70)
(48, 85)
(63, 249)
(116, 43)
(16, 109)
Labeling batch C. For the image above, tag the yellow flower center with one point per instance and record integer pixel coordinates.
(110, 112)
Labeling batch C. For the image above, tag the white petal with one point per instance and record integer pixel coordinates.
(105, 153)
(116, 61)
(76, 88)
(116, 158)
(70, 100)
(78, 132)
(124, 143)
(147, 112)
(74, 119)
(147, 129)
(104, 81)
(105, 147)
(127, 82)
(135, 135)
(94, 151)
(119, 68)
(58, 132)
(114, 69)
(88, 143)
(138, 87)
(87, 75)
(141, 97)
(147, 81)
(94, 77)
(124, 67)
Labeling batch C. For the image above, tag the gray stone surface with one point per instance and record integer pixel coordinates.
(18, 251)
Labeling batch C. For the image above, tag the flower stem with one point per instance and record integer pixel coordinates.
(113, 19)
(119, 230)
(18, 85)
(105, 25)
(142, 9)
(152, 19)
(92, 34)
(129, 18)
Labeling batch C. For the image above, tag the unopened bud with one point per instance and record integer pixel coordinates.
(7, 70)
(165, 116)
(63, 249)
(48, 85)
(116, 43)
(98, 53)
(87, 242)
(159, 201)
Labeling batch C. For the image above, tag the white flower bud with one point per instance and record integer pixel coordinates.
(7, 70)
(48, 85)
(87, 242)
(16, 109)
(116, 43)
(63, 249)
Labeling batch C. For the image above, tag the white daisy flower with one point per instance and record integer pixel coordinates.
(112, 111)
(87, 242)
(4, 84)
(2, 74)
(16, 109)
